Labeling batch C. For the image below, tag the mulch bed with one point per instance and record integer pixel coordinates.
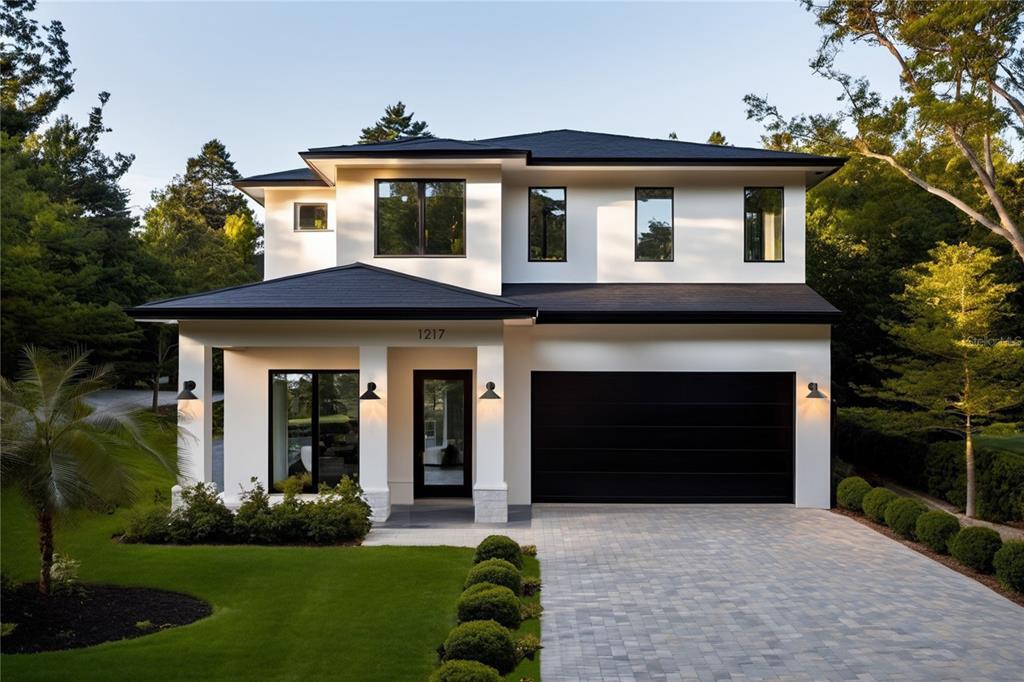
(989, 581)
(92, 615)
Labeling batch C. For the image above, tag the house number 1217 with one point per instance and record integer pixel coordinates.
(431, 334)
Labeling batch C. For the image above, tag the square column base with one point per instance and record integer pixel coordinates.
(380, 504)
(490, 505)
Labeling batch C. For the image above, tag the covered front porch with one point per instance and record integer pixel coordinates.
(413, 410)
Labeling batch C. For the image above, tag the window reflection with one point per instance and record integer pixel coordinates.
(654, 233)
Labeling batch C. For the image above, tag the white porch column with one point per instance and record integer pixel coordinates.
(373, 431)
(490, 491)
(195, 439)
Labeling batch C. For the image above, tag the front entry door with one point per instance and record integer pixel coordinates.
(443, 434)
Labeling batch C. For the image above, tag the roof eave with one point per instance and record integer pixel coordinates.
(147, 314)
(685, 317)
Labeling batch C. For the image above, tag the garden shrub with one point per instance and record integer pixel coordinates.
(465, 671)
(976, 546)
(482, 640)
(999, 484)
(531, 609)
(202, 518)
(254, 520)
(529, 550)
(1009, 565)
(527, 646)
(859, 442)
(531, 585)
(875, 502)
(850, 492)
(494, 602)
(901, 515)
(497, 571)
(150, 524)
(338, 514)
(499, 547)
(935, 528)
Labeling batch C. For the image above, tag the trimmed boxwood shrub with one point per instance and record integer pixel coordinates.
(482, 640)
(492, 602)
(465, 671)
(935, 528)
(497, 571)
(875, 502)
(976, 546)
(901, 515)
(851, 491)
(1009, 565)
(499, 547)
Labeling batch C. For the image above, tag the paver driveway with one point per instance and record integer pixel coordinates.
(715, 592)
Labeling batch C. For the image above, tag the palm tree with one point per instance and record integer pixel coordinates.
(60, 453)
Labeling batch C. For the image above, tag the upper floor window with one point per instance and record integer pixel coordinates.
(310, 217)
(547, 224)
(654, 224)
(762, 224)
(421, 217)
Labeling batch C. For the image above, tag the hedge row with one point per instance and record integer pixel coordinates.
(938, 468)
(481, 647)
(336, 515)
(978, 547)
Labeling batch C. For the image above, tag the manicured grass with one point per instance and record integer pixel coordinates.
(529, 669)
(366, 613)
(1014, 444)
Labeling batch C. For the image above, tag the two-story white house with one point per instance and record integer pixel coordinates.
(561, 316)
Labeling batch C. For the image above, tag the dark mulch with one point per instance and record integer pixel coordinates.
(93, 615)
(989, 581)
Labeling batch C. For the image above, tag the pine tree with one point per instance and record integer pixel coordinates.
(716, 137)
(394, 124)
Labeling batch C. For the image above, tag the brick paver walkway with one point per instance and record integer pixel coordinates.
(720, 592)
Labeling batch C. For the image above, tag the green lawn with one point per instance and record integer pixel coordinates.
(1014, 444)
(366, 613)
(529, 669)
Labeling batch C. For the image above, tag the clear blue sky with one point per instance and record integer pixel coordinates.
(270, 79)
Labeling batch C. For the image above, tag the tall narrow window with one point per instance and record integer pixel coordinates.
(314, 427)
(421, 218)
(310, 217)
(762, 224)
(654, 238)
(547, 224)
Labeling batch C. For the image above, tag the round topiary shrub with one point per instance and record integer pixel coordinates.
(484, 641)
(851, 491)
(1009, 565)
(497, 571)
(493, 602)
(465, 671)
(976, 546)
(875, 501)
(499, 547)
(901, 515)
(935, 528)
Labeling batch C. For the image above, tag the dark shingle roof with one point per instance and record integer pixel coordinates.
(348, 292)
(296, 176)
(576, 147)
(668, 303)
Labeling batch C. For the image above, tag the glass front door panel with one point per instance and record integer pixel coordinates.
(444, 432)
(292, 427)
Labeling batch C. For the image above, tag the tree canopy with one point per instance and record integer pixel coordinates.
(394, 124)
(961, 68)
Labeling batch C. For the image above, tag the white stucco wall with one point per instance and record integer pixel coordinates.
(288, 251)
(601, 226)
(803, 349)
(481, 267)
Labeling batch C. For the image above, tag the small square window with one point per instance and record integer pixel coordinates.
(310, 217)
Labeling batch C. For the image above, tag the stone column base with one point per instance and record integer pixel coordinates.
(490, 505)
(380, 504)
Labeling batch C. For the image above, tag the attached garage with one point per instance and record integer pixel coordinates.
(662, 436)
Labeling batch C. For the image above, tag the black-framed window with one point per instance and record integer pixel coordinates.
(310, 217)
(314, 426)
(547, 224)
(421, 217)
(654, 224)
(763, 225)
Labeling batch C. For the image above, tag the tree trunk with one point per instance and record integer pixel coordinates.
(970, 470)
(45, 551)
(156, 392)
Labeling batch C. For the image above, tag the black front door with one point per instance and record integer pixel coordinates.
(443, 434)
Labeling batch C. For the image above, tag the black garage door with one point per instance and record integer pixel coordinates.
(662, 437)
